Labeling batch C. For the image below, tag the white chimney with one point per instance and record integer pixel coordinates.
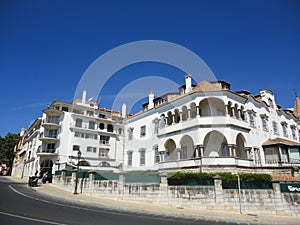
(83, 96)
(188, 83)
(22, 131)
(123, 115)
(151, 99)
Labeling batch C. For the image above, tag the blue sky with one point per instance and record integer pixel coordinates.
(46, 46)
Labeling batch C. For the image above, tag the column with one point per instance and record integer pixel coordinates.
(248, 149)
(163, 188)
(198, 110)
(219, 199)
(239, 116)
(233, 112)
(91, 180)
(180, 115)
(196, 151)
(189, 114)
(121, 182)
(226, 110)
(201, 148)
(279, 204)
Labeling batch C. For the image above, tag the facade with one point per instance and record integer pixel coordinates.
(202, 127)
(52, 142)
(207, 127)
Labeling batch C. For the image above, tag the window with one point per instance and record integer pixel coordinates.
(101, 126)
(104, 140)
(110, 128)
(90, 113)
(251, 119)
(284, 155)
(143, 131)
(264, 120)
(275, 128)
(91, 149)
(130, 133)
(64, 108)
(142, 156)
(102, 116)
(120, 130)
(77, 111)
(284, 129)
(156, 154)
(293, 129)
(76, 147)
(257, 157)
(129, 158)
(271, 103)
(91, 125)
(51, 133)
(49, 147)
(103, 152)
(78, 123)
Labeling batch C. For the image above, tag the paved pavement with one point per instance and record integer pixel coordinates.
(144, 207)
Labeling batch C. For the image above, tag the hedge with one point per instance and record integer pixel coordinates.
(229, 180)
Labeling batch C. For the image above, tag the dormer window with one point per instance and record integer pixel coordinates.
(284, 129)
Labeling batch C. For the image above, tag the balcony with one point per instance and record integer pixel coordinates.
(47, 138)
(46, 152)
(213, 121)
(52, 112)
(205, 162)
(51, 124)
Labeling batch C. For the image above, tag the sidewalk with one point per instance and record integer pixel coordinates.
(144, 207)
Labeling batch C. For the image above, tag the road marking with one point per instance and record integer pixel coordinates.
(109, 211)
(30, 218)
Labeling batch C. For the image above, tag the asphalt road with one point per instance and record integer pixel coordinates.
(20, 204)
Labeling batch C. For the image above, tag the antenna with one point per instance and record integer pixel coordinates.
(295, 93)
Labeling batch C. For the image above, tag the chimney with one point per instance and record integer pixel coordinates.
(188, 83)
(22, 131)
(123, 115)
(151, 100)
(297, 107)
(83, 96)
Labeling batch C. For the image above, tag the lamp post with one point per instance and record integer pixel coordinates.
(76, 182)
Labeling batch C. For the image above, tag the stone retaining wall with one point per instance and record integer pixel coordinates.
(251, 201)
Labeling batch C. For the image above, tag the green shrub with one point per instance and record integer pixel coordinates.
(229, 180)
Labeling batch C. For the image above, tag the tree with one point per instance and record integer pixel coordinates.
(7, 145)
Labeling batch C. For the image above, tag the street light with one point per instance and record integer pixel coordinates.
(76, 182)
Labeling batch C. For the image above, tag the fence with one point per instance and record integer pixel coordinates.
(281, 199)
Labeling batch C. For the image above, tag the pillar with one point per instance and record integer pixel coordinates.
(121, 183)
(226, 110)
(233, 112)
(198, 111)
(279, 206)
(219, 199)
(91, 180)
(163, 188)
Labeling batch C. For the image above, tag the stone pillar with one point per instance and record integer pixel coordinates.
(279, 204)
(91, 180)
(178, 153)
(198, 110)
(180, 115)
(197, 151)
(226, 110)
(233, 112)
(201, 150)
(219, 199)
(62, 179)
(239, 116)
(188, 114)
(248, 149)
(121, 183)
(163, 188)
(173, 119)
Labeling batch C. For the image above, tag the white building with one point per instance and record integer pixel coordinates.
(53, 141)
(202, 127)
(207, 127)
